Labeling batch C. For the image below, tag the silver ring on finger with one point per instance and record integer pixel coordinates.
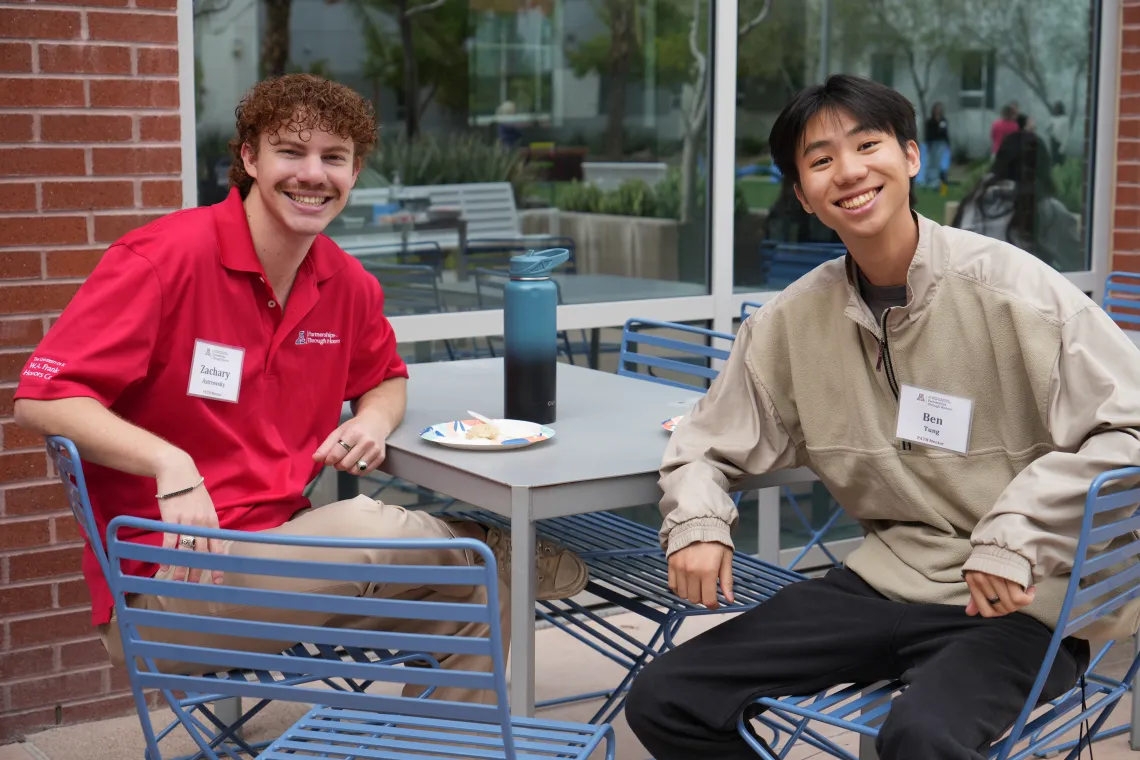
(995, 600)
(346, 446)
(362, 465)
(187, 542)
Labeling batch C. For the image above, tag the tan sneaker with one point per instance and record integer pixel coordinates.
(561, 573)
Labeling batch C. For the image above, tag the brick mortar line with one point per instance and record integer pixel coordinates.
(86, 77)
(40, 677)
(83, 180)
(6, 6)
(99, 212)
(54, 281)
(16, 553)
(50, 249)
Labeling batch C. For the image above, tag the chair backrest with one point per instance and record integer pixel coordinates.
(408, 288)
(145, 633)
(488, 207)
(1121, 296)
(687, 362)
(490, 285)
(67, 463)
(784, 263)
(1100, 582)
(413, 252)
(497, 252)
(748, 308)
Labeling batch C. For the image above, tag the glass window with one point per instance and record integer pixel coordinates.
(506, 125)
(979, 73)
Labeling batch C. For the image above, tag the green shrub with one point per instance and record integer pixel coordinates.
(449, 160)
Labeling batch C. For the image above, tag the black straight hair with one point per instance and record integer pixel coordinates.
(872, 105)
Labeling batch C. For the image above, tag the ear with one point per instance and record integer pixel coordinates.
(249, 158)
(802, 198)
(913, 158)
(357, 165)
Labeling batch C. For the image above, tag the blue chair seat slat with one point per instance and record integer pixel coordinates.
(434, 575)
(530, 727)
(335, 605)
(464, 744)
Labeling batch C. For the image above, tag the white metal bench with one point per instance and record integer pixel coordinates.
(609, 175)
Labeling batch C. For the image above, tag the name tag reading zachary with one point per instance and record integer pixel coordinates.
(935, 419)
(215, 371)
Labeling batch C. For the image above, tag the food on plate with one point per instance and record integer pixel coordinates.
(483, 430)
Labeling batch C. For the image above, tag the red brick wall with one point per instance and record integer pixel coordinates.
(89, 148)
(1126, 218)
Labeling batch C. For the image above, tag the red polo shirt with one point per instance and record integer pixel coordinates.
(129, 340)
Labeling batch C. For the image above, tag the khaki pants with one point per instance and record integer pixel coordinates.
(360, 517)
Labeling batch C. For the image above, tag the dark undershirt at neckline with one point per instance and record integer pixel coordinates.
(879, 298)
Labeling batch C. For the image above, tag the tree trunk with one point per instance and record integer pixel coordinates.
(411, 75)
(621, 52)
(275, 45)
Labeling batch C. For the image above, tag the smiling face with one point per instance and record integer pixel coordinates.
(854, 178)
(301, 180)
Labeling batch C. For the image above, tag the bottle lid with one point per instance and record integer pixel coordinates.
(538, 263)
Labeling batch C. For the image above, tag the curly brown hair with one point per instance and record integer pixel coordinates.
(299, 103)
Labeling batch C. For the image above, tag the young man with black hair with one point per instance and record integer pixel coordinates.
(957, 396)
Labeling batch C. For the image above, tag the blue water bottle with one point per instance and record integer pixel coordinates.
(530, 336)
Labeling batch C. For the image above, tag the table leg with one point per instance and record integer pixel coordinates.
(461, 254)
(595, 346)
(768, 525)
(347, 486)
(523, 583)
(1134, 734)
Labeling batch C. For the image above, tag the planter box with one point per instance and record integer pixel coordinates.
(629, 246)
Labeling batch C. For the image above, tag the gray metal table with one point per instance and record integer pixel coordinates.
(605, 455)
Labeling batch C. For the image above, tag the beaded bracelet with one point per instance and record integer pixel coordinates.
(172, 494)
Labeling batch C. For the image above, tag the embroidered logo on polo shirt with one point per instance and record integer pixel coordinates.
(43, 368)
(318, 338)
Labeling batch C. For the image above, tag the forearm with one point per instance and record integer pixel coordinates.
(385, 403)
(104, 438)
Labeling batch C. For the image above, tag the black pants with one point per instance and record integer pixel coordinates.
(967, 677)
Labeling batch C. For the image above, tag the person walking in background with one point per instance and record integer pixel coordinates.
(1057, 131)
(1004, 125)
(1016, 202)
(937, 137)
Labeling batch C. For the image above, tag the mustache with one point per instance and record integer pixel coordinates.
(319, 189)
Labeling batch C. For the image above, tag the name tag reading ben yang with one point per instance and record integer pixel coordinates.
(936, 420)
(215, 371)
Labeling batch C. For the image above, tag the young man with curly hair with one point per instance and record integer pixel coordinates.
(202, 367)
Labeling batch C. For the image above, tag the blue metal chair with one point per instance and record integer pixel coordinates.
(783, 263)
(1122, 297)
(343, 724)
(198, 705)
(1110, 513)
(627, 565)
(748, 308)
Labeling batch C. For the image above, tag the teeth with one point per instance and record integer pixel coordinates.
(308, 200)
(859, 200)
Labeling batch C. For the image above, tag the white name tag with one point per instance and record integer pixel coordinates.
(935, 419)
(215, 371)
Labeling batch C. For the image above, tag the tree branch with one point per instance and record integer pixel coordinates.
(763, 14)
(422, 8)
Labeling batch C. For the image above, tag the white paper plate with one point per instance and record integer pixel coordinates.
(514, 434)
